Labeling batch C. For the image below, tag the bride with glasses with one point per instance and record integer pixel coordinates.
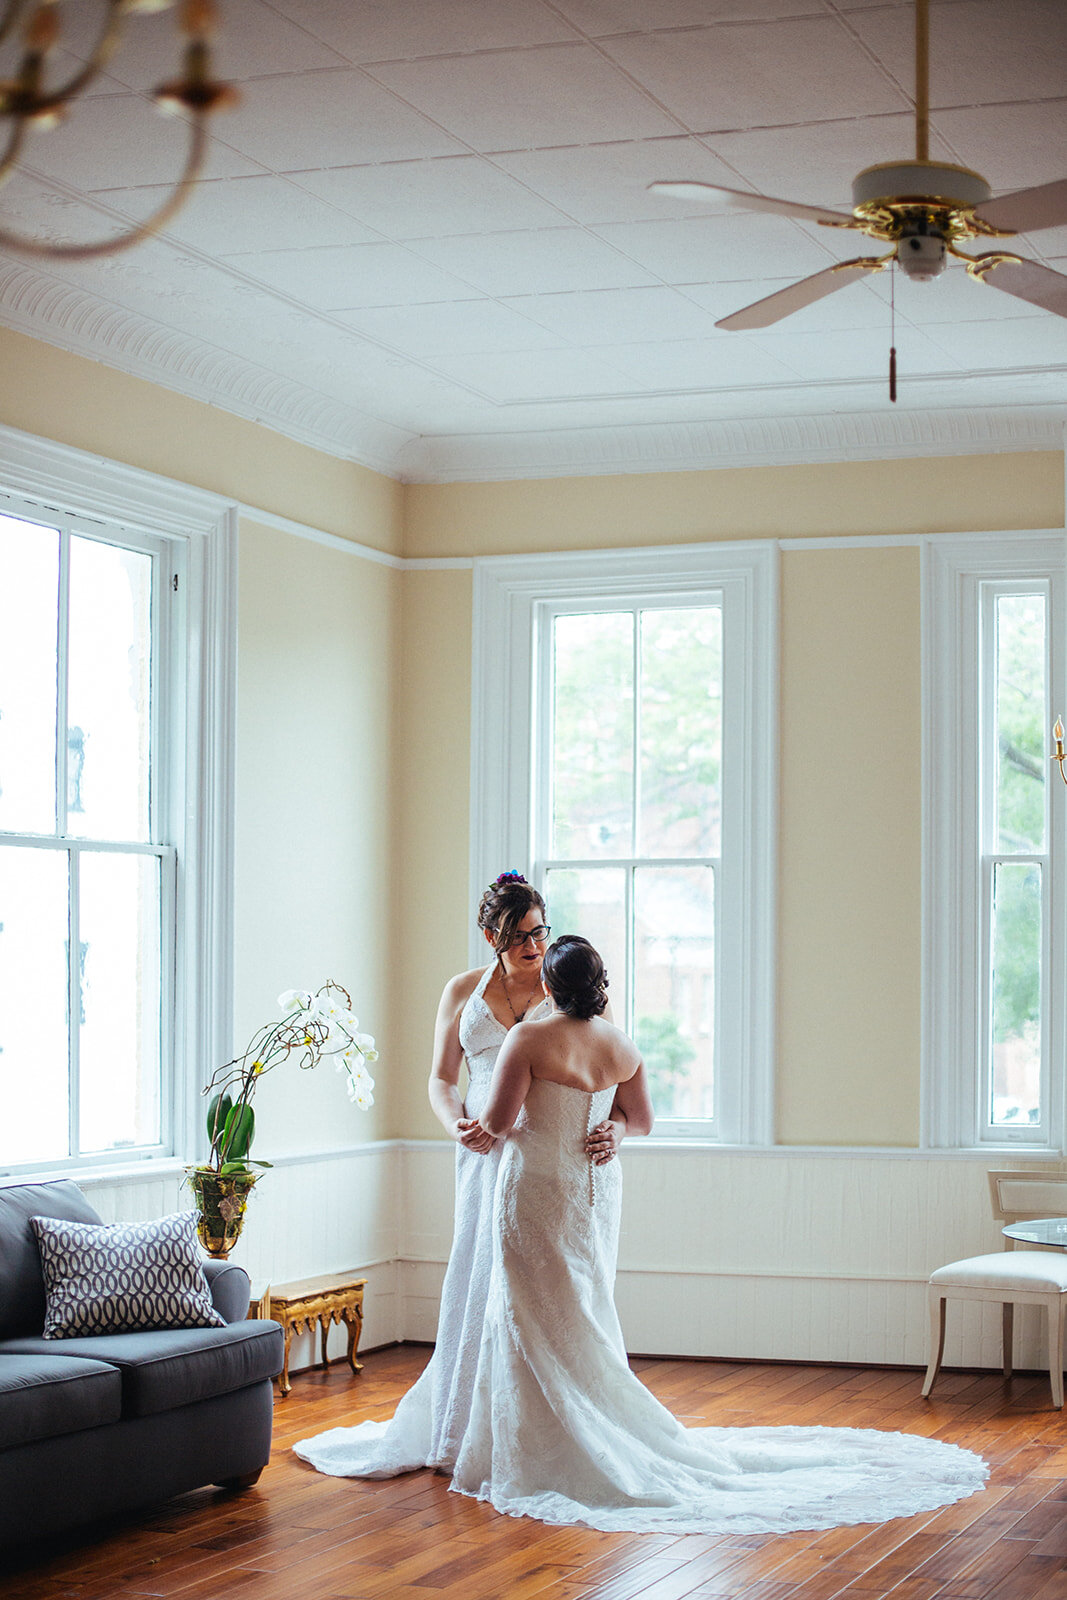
(477, 1011)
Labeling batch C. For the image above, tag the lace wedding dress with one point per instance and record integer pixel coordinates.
(560, 1429)
(429, 1423)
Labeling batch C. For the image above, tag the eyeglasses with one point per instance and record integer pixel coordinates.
(539, 935)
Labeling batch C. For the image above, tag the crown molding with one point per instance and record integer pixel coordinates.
(752, 442)
(83, 324)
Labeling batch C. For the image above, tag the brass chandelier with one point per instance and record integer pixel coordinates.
(29, 103)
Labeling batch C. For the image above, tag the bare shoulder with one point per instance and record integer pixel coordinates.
(458, 990)
(625, 1052)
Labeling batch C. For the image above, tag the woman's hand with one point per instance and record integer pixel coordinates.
(472, 1136)
(602, 1144)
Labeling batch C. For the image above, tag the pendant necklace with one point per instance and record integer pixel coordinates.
(518, 1016)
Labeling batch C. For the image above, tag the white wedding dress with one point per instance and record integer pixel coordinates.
(429, 1423)
(560, 1428)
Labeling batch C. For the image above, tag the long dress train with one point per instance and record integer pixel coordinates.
(561, 1429)
(429, 1423)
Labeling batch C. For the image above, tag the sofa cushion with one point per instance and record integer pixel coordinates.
(45, 1396)
(122, 1277)
(22, 1300)
(169, 1367)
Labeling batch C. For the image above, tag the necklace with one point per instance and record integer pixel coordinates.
(517, 1015)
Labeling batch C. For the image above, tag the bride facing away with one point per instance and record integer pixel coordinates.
(560, 1429)
(477, 1011)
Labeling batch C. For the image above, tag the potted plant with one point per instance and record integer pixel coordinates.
(314, 1025)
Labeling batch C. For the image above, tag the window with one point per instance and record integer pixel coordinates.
(114, 849)
(618, 703)
(994, 1002)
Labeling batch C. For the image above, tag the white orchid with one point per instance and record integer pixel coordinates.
(296, 1000)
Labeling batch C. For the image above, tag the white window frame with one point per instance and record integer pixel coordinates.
(961, 576)
(196, 533)
(513, 598)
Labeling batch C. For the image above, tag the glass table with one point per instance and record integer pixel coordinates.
(1045, 1230)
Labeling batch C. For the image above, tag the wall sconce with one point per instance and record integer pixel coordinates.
(28, 104)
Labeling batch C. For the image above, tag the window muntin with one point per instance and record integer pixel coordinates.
(633, 822)
(86, 906)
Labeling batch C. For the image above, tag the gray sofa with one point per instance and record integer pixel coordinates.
(109, 1423)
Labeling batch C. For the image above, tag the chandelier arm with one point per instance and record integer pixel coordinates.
(13, 151)
(106, 46)
(143, 230)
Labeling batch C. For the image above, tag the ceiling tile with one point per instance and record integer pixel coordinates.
(610, 316)
(346, 276)
(535, 263)
(229, 215)
(535, 374)
(609, 182)
(743, 75)
(381, 30)
(602, 17)
(1013, 146)
(508, 100)
(819, 356)
(457, 327)
(328, 119)
(116, 141)
(700, 363)
(418, 199)
(718, 249)
(1028, 62)
(1036, 341)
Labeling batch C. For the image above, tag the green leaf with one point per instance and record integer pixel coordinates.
(217, 1113)
(238, 1133)
(230, 1168)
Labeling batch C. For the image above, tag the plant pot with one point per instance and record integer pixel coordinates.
(221, 1204)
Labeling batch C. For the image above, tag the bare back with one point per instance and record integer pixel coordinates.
(582, 1054)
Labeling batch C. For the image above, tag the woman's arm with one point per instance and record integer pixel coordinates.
(634, 1101)
(603, 1142)
(510, 1085)
(443, 1087)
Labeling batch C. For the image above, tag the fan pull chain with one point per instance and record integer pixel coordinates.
(893, 333)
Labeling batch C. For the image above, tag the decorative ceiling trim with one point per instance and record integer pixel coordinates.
(84, 325)
(753, 442)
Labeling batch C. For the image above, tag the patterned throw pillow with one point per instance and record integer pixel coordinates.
(119, 1277)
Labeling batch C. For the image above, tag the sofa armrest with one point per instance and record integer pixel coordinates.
(230, 1287)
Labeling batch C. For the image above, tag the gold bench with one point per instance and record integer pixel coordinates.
(335, 1297)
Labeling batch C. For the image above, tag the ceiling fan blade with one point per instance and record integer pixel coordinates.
(742, 200)
(1028, 210)
(1029, 280)
(785, 301)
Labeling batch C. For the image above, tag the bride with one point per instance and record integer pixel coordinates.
(476, 1011)
(559, 1427)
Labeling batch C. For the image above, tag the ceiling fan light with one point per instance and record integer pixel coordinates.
(919, 180)
(921, 256)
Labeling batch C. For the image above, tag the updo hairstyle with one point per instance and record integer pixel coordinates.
(576, 977)
(503, 906)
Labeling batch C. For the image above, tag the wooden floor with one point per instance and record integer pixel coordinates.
(298, 1534)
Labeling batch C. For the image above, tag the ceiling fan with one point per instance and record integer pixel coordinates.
(923, 208)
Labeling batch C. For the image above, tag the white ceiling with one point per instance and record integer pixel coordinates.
(424, 239)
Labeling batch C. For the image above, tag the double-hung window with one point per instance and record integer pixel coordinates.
(994, 1032)
(623, 703)
(114, 840)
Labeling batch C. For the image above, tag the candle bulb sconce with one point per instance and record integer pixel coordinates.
(1059, 756)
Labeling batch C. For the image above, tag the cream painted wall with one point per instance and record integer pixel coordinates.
(859, 497)
(430, 893)
(53, 394)
(316, 641)
(849, 909)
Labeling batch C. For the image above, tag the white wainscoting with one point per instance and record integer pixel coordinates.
(777, 1254)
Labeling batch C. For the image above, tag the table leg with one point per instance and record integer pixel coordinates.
(353, 1316)
(324, 1333)
(284, 1385)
